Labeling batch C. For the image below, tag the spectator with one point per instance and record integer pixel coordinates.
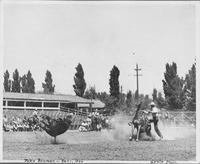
(83, 126)
(24, 120)
(35, 112)
(96, 113)
(89, 121)
(5, 120)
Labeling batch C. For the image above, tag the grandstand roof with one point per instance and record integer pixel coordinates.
(44, 97)
(96, 104)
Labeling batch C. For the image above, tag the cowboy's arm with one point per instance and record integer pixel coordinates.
(147, 111)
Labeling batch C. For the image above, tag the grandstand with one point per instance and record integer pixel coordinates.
(23, 104)
(30, 101)
(18, 105)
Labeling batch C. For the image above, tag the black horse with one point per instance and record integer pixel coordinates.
(53, 127)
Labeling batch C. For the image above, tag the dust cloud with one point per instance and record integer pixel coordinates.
(120, 131)
(120, 128)
(171, 131)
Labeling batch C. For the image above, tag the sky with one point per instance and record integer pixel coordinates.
(56, 37)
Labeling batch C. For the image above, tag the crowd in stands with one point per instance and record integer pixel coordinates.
(16, 124)
(94, 122)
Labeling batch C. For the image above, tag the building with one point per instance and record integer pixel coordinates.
(47, 102)
(96, 104)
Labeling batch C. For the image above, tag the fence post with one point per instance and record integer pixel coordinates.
(182, 117)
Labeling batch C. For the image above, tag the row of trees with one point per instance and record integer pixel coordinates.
(26, 83)
(179, 92)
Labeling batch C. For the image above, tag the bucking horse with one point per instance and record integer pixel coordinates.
(51, 126)
(142, 123)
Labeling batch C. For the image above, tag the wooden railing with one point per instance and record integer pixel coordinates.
(74, 111)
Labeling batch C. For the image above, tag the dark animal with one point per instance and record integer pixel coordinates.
(54, 127)
(141, 123)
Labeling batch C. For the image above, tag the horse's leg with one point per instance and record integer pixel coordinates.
(132, 131)
(149, 134)
(54, 139)
(138, 133)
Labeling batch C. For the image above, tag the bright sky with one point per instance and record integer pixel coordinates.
(57, 37)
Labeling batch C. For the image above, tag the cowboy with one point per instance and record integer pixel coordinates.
(96, 113)
(155, 119)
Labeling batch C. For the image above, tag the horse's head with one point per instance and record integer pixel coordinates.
(43, 116)
(137, 111)
(139, 105)
(68, 119)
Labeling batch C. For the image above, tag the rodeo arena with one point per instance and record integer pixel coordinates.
(59, 127)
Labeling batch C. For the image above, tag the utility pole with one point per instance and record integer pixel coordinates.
(137, 70)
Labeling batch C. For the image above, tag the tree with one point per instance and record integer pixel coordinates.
(7, 82)
(48, 86)
(129, 99)
(90, 93)
(145, 101)
(23, 84)
(173, 87)
(27, 83)
(160, 100)
(190, 89)
(111, 104)
(122, 97)
(114, 82)
(154, 95)
(80, 84)
(16, 81)
(31, 83)
(103, 96)
(136, 96)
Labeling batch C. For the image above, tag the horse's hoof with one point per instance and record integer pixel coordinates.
(136, 140)
(130, 138)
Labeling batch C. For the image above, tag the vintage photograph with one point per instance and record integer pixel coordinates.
(99, 81)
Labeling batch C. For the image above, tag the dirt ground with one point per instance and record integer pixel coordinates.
(74, 145)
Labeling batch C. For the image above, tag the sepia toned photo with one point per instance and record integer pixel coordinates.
(99, 81)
